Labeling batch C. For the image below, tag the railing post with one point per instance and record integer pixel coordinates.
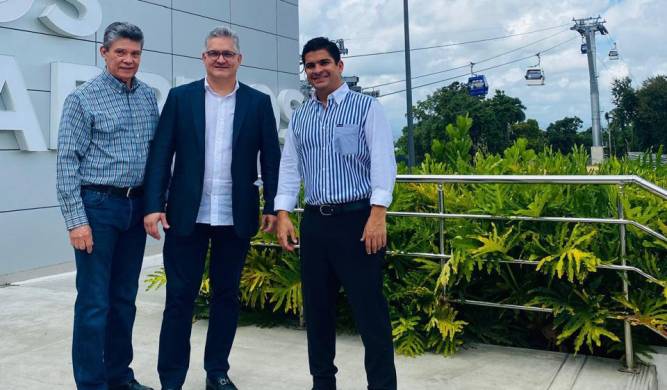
(629, 351)
(441, 210)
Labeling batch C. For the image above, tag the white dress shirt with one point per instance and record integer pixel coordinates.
(342, 153)
(215, 208)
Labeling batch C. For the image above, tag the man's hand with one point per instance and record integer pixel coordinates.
(150, 224)
(285, 231)
(268, 223)
(81, 238)
(375, 231)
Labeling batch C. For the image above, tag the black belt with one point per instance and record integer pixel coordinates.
(123, 192)
(328, 210)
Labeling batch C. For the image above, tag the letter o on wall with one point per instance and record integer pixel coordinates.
(11, 10)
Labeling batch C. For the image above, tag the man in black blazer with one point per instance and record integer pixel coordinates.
(213, 130)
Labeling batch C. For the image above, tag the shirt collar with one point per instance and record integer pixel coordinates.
(117, 84)
(207, 87)
(337, 96)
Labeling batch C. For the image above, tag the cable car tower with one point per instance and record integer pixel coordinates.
(588, 27)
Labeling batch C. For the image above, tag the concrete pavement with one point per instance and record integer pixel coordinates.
(35, 339)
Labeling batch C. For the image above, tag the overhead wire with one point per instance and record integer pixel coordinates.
(456, 43)
(468, 64)
(481, 70)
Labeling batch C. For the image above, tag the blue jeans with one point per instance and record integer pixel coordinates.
(107, 283)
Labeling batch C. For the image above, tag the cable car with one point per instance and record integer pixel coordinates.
(535, 74)
(613, 53)
(477, 85)
(584, 48)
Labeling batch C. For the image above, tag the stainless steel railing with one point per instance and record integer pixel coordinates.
(620, 180)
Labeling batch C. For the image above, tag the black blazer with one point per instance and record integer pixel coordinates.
(181, 133)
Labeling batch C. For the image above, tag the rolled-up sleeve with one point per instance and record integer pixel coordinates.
(379, 140)
(73, 140)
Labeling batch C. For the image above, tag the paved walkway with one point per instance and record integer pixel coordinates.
(35, 338)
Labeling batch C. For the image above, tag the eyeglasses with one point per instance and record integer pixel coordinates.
(215, 54)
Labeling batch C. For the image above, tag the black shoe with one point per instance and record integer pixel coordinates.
(131, 385)
(222, 383)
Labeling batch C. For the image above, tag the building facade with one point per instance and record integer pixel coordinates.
(48, 47)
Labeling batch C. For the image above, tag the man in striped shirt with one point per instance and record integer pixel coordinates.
(340, 144)
(105, 130)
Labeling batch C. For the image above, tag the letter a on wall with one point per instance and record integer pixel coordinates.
(64, 79)
(18, 114)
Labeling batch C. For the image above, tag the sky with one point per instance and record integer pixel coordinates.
(369, 26)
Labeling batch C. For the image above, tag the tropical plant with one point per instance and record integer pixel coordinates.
(556, 266)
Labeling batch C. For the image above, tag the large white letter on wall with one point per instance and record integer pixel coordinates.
(19, 114)
(64, 79)
(160, 85)
(87, 23)
(11, 10)
(288, 101)
(274, 105)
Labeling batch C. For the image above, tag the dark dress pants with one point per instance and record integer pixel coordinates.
(184, 261)
(106, 284)
(333, 255)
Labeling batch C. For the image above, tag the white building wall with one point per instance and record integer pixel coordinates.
(33, 239)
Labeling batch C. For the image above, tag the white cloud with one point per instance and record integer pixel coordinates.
(637, 26)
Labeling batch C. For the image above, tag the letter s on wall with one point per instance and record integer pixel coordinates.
(11, 10)
(87, 23)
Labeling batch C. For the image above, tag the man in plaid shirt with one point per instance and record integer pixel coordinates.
(105, 131)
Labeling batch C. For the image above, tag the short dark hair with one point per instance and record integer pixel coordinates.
(320, 43)
(119, 30)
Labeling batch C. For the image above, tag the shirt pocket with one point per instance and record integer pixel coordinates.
(105, 123)
(346, 139)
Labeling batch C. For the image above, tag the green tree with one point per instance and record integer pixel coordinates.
(530, 130)
(504, 112)
(621, 119)
(433, 114)
(492, 120)
(651, 121)
(585, 138)
(562, 134)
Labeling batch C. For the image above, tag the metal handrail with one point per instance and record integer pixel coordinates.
(536, 179)
(620, 180)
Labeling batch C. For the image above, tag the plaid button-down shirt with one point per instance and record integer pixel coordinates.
(105, 131)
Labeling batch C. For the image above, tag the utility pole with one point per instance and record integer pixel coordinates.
(587, 27)
(408, 88)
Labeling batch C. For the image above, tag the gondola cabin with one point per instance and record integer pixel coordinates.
(477, 85)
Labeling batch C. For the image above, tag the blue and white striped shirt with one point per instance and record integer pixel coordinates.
(343, 153)
(104, 134)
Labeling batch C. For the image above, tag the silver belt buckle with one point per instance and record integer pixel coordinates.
(326, 210)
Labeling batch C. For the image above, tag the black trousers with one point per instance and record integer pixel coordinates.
(333, 255)
(184, 260)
